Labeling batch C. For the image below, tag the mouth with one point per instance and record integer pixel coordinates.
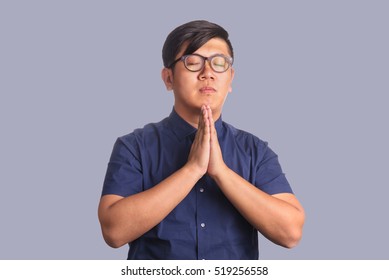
(207, 90)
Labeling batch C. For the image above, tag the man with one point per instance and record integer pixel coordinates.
(193, 186)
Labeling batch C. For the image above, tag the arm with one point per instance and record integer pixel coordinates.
(279, 217)
(125, 219)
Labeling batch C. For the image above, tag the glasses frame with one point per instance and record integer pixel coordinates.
(230, 60)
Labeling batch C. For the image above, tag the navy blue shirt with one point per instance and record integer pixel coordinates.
(205, 225)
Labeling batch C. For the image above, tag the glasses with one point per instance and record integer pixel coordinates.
(195, 62)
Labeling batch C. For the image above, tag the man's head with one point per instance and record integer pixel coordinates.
(192, 36)
(198, 59)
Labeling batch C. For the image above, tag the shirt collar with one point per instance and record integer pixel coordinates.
(182, 128)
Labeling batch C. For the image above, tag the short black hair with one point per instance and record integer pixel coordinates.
(196, 34)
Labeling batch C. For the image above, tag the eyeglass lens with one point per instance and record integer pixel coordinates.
(196, 63)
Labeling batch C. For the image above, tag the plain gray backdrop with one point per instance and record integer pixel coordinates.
(312, 79)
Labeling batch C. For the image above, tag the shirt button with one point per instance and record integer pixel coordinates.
(201, 189)
(202, 225)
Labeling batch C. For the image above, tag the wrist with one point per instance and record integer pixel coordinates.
(219, 172)
(193, 171)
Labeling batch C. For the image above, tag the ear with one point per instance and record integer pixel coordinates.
(232, 77)
(167, 78)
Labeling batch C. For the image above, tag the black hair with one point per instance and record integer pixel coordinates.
(196, 34)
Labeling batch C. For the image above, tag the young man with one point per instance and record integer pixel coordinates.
(193, 186)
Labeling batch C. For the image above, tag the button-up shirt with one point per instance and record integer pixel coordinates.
(204, 225)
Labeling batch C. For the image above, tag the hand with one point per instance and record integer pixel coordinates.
(198, 159)
(216, 165)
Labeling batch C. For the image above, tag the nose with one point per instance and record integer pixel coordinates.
(206, 72)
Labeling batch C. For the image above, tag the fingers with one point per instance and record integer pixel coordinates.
(210, 116)
(200, 150)
(200, 127)
(206, 155)
(211, 122)
(206, 120)
(207, 130)
(203, 129)
(216, 163)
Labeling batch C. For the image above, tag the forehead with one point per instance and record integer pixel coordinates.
(213, 46)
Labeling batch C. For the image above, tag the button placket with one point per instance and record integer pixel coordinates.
(201, 218)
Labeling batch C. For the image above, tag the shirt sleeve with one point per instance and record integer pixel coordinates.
(269, 176)
(124, 173)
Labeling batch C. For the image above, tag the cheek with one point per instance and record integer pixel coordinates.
(227, 85)
(185, 82)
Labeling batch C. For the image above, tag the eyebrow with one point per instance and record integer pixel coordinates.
(213, 54)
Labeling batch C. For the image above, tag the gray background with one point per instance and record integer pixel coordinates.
(311, 79)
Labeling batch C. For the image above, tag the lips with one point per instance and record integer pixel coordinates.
(207, 90)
